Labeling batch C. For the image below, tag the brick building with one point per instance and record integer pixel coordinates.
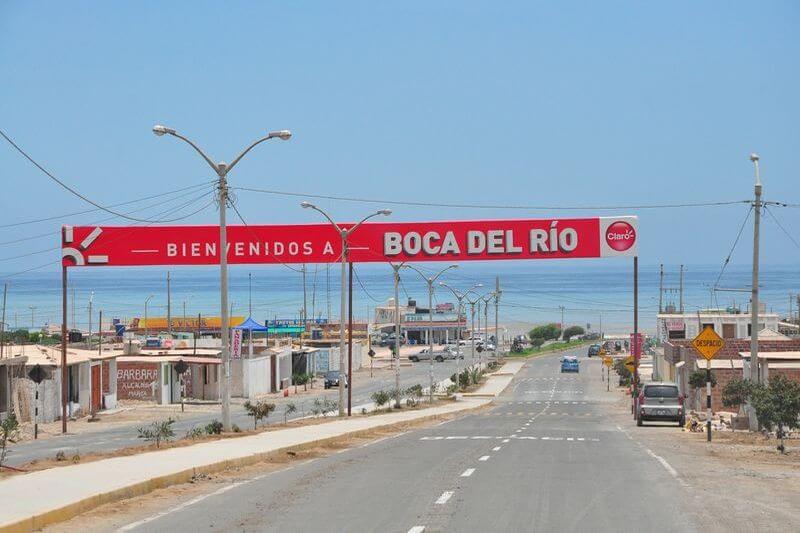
(777, 355)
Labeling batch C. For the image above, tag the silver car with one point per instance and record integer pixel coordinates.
(660, 401)
(438, 355)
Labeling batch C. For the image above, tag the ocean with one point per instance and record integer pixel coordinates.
(590, 291)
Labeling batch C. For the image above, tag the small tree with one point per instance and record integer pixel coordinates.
(546, 332)
(697, 380)
(414, 393)
(214, 427)
(537, 342)
(288, 409)
(9, 431)
(777, 405)
(573, 331)
(259, 411)
(736, 392)
(625, 375)
(160, 430)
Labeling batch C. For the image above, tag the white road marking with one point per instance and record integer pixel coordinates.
(468, 472)
(446, 495)
(505, 440)
(417, 529)
(496, 448)
(458, 437)
(484, 458)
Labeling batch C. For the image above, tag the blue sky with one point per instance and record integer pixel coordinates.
(579, 103)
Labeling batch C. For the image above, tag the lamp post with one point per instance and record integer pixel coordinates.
(344, 233)
(472, 303)
(486, 299)
(222, 169)
(430, 280)
(459, 296)
(146, 325)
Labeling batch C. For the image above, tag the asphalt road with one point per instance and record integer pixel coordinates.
(125, 436)
(547, 456)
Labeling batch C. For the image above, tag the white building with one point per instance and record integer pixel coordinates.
(731, 323)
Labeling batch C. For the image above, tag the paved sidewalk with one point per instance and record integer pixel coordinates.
(56, 494)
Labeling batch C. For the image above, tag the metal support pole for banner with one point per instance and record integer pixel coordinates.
(635, 347)
(64, 370)
(350, 343)
(396, 355)
(497, 293)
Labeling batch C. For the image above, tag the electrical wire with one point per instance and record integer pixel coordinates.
(735, 242)
(76, 213)
(791, 238)
(358, 279)
(72, 190)
(489, 206)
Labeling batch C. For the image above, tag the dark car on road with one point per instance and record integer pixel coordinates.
(594, 349)
(332, 379)
(569, 363)
(660, 402)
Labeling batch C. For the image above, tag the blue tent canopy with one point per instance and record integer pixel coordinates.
(251, 325)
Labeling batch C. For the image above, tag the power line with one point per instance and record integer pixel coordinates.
(791, 238)
(490, 206)
(70, 189)
(735, 242)
(84, 212)
(358, 279)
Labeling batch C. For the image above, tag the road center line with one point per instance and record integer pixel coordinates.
(468, 472)
(496, 449)
(484, 458)
(417, 529)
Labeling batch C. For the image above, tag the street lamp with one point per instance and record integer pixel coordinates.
(344, 233)
(430, 280)
(222, 168)
(146, 325)
(472, 303)
(486, 299)
(460, 298)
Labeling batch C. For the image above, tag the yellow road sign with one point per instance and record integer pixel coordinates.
(607, 361)
(602, 351)
(708, 343)
(630, 363)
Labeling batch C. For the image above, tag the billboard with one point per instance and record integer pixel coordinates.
(453, 241)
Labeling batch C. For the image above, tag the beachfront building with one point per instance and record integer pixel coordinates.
(416, 321)
(729, 323)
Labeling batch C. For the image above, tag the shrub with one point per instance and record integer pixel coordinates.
(381, 398)
(288, 409)
(736, 392)
(214, 427)
(475, 375)
(61, 456)
(463, 378)
(300, 379)
(451, 389)
(777, 405)
(9, 431)
(537, 342)
(697, 379)
(158, 431)
(194, 433)
(259, 410)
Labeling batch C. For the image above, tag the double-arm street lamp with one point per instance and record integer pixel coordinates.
(459, 296)
(430, 280)
(486, 299)
(222, 169)
(146, 325)
(396, 268)
(344, 233)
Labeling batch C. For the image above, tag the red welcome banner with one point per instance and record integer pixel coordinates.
(371, 242)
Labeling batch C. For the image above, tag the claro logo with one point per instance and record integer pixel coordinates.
(620, 236)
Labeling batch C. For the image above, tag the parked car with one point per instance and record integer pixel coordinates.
(594, 349)
(569, 363)
(660, 401)
(438, 355)
(332, 379)
(388, 340)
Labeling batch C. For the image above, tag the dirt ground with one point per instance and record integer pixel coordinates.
(738, 482)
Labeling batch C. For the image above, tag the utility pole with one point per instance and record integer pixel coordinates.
(497, 293)
(305, 302)
(89, 341)
(661, 289)
(32, 308)
(680, 290)
(74, 324)
(3, 321)
(100, 333)
(146, 325)
(169, 307)
(250, 295)
(754, 371)
(635, 347)
(562, 321)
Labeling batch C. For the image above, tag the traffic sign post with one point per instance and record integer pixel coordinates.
(608, 362)
(708, 343)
